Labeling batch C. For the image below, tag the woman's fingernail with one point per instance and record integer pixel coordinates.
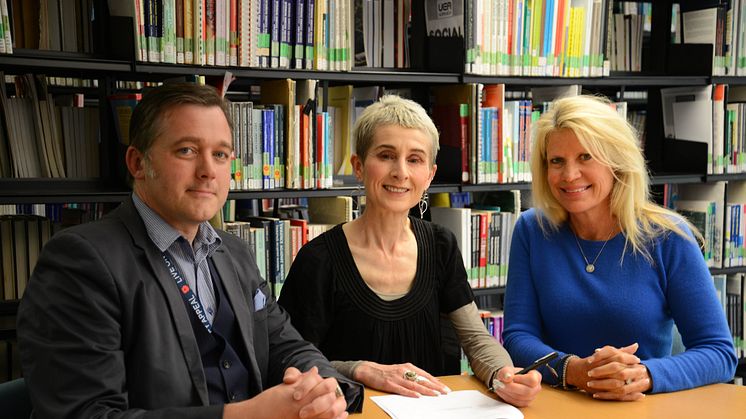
(498, 384)
(508, 375)
(590, 359)
(597, 349)
(590, 373)
(589, 384)
(297, 395)
(448, 389)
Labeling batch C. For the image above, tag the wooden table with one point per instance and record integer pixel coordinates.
(722, 401)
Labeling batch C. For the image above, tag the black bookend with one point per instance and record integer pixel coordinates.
(689, 60)
(122, 39)
(445, 54)
(437, 54)
(684, 156)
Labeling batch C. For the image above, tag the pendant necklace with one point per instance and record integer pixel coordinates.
(590, 266)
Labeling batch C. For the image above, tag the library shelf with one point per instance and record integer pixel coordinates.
(356, 75)
(729, 80)
(676, 178)
(62, 63)
(8, 310)
(631, 80)
(48, 191)
(487, 187)
(725, 177)
(488, 291)
(728, 271)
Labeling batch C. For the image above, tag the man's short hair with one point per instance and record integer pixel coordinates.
(147, 120)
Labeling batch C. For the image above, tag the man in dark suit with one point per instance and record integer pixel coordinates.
(152, 313)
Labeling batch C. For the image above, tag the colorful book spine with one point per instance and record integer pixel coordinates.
(268, 128)
(210, 33)
(234, 34)
(298, 44)
(285, 21)
(179, 31)
(308, 37)
(189, 31)
(275, 13)
(168, 31)
(264, 33)
(199, 32)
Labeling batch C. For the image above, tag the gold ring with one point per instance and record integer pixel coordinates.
(410, 375)
(338, 392)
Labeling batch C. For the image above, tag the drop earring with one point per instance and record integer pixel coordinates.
(423, 204)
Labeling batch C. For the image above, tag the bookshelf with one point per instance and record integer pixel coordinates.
(115, 61)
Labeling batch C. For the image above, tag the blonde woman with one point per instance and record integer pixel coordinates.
(600, 273)
(370, 293)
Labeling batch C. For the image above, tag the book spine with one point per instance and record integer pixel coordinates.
(264, 33)
(464, 140)
(286, 14)
(188, 31)
(244, 30)
(234, 34)
(278, 146)
(151, 31)
(257, 171)
(179, 31)
(141, 37)
(329, 150)
(210, 6)
(275, 13)
(168, 39)
(300, 28)
(199, 32)
(308, 37)
(266, 148)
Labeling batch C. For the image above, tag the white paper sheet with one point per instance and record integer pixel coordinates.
(469, 404)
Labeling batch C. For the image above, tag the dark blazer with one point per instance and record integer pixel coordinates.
(104, 332)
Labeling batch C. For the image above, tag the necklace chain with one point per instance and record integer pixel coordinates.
(590, 267)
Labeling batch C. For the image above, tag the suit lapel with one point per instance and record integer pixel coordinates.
(133, 222)
(239, 300)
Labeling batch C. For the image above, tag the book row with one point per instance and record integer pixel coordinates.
(275, 240)
(494, 323)
(711, 114)
(483, 234)
(300, 34)
(721, 24)
(55, 25)
(731, 290)
(22, 238)
(43, 138)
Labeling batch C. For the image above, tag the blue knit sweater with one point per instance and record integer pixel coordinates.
(552, 303)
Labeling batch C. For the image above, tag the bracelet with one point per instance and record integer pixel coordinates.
(563, 377)
(491, 382)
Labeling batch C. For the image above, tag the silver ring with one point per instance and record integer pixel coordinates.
(410, 375)
(338, 392)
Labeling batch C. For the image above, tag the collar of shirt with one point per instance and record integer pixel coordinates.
(164, 236)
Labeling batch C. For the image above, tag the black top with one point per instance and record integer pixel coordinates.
(333, 308)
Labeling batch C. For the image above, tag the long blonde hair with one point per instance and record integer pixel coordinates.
(613, 142)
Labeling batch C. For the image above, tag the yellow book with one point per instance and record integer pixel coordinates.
(282, 92)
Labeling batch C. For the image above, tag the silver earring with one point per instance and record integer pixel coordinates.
(423, 204)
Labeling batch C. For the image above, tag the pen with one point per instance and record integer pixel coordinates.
(539, 362)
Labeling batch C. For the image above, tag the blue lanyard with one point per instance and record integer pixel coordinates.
(186, 293)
